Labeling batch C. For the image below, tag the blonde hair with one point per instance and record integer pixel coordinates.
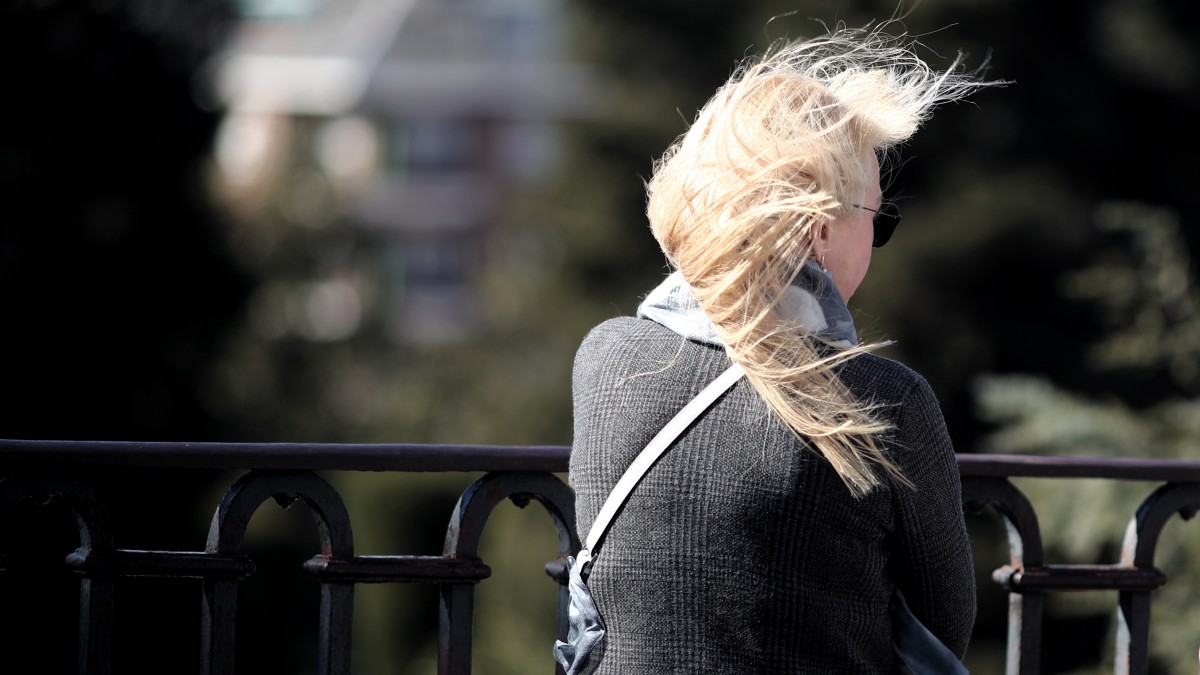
(780, 151)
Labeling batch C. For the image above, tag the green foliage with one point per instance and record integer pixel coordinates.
(1146, 294)
(1149, 305)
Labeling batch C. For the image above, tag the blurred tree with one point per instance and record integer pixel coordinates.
(1145, 293)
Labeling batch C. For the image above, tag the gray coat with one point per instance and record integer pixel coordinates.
(743, 552)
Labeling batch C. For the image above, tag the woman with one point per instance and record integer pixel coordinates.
(773, 536)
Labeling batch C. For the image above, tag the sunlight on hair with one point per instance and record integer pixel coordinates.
(780, 151)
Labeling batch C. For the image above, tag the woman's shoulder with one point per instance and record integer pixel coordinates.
(621, 351)
(907, 402)
(647, 345)
(622, 331)
(612, 338)
(629, 338)
(882, 379)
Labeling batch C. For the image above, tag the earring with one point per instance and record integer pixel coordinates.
(821, 260)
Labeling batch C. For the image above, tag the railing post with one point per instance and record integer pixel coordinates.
(96, 604)
(218, 621)
(96, 600)
(225, 537)
(1137, 552)
(1025, 547)
(96, 593)
(462, 542)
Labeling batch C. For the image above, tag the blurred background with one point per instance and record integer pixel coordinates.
(393, 221)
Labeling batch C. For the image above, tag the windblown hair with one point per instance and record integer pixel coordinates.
(737, 202)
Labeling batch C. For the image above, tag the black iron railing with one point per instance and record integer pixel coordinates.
(46, 471)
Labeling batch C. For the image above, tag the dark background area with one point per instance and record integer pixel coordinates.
(115, 286)
(115, 280)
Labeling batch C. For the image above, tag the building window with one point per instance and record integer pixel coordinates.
(435, 146)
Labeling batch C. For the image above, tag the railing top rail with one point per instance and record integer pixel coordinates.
(423, 457)
(285, 456)
(1050, 466)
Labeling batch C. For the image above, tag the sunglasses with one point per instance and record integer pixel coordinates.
(887, 217)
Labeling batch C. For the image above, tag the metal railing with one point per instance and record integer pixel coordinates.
(46, 471)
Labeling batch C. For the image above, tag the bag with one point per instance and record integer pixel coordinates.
(919, 651)
(584, 648)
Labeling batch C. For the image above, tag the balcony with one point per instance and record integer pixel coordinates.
(71, 474)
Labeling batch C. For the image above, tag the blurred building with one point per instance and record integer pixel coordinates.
(417, 122)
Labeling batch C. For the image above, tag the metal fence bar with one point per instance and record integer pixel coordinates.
(1137, 553)
(74, 455)
(1025, 549)
(41, 471)
(96, 592)
(462, 543)
(228, 531)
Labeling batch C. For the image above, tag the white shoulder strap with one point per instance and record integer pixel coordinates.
(653, 450)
